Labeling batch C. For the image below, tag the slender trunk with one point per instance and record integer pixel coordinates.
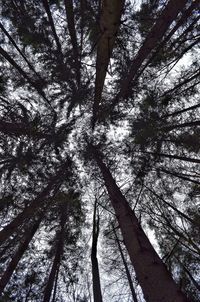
(195, 283)
(95, 267)
(183, 125)
(173, 173)
(155, 35)
(134, 296)
(48, 12)
(72, 32)
(172, 156)
(20, 52)
(109, 25)
(52, 275)
(179, 23)
(55, 286)
(17, 256)
(182, 83)
(56, 262)
(152, 274)
(173, 207)
(24, 74)
(36, 205)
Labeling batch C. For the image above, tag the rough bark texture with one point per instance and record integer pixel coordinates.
(153, 276)
(18, 255)
(95, 267)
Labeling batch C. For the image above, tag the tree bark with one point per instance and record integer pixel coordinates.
(23, 73)
(183, 177)
(155, 35)
(54, 269)
(37, 204)
(134, 296)
(95, 266)
(153, 276)
(109, 25)
(72, 32)
(18, 255)
(183, 125)
(48, 12)
(173, 156)
(56, 262)
(20, 52)
(173, 207)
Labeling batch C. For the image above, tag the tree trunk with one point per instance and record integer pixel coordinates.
(134, 296)
(51, 22)
(52, 275)
(95, 267)
(155, 35)
(183, 125)
(153, 276)
(72, 32)
(37, 204)
(173, 207)
(56, 262)
(109, 25)
(18, 255)
(173, 156)
(173, 173)
(23, 73)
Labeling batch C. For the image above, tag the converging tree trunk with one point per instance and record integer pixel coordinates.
(95, 266)
(57, 258)
(130, 282)
(152, 274)
(18, 255)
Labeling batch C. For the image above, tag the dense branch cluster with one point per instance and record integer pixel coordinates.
(99, 144)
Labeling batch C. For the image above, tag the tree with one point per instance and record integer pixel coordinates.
(99, 93)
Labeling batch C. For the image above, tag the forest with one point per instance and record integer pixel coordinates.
(99, 151)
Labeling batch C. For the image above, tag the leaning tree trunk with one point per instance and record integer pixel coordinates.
(95, 267)
(152, 274)
(134, 296)
(37, 205)
(18, 255)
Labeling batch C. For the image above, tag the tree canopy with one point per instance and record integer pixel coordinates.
(99, 150)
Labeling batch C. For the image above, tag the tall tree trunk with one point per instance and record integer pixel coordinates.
(109, 25)
(134, 296)
(33, 83)
(173, 207)
(155, 35)
(181, 176)
(18, 255)
(20, 52)
(183, 125)
(52, 275)
(51, 22)
(56, 262)
(37, 204)
(55, 286)
(173, 156)
(152, 274)
(195, 283)
(95, 267)
(73, 36)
